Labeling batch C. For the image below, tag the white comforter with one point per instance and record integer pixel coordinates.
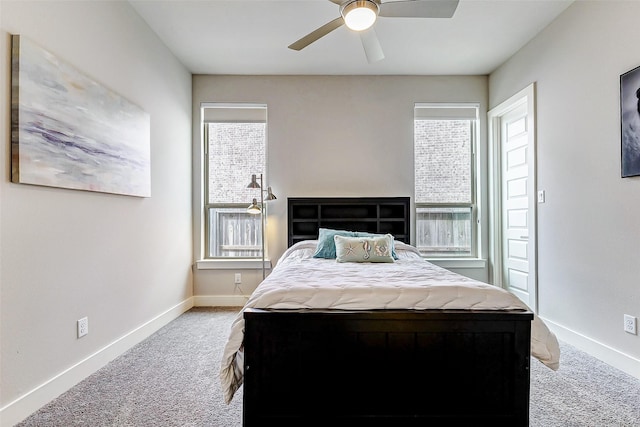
(301, 281)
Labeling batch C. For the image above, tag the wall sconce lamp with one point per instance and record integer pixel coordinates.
(258, 209)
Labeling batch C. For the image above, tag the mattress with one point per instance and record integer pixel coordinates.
(299, 280)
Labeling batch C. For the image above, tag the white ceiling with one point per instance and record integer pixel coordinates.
(251, 36)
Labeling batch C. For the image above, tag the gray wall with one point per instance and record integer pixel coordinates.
(588, 231)
(125, 261)
(122, 261)
(328, 136)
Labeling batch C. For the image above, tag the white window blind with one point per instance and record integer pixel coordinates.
(229, 113)
(445, 112)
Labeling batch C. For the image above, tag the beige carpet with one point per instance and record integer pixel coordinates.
(170, 379)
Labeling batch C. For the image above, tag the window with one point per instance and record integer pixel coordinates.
(444, 148)
(235, 138)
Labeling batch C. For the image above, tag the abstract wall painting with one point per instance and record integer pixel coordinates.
(630, 122)
(69, 131)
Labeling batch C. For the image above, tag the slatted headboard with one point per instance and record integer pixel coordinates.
(371, 214)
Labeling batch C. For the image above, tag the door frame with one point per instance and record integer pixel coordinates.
(494, 117)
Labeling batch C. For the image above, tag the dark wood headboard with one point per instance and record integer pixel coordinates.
(371, 214)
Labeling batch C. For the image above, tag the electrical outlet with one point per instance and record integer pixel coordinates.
(630, 324)
(238, 279)
(83, 327)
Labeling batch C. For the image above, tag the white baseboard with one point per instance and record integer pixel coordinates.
(33, 400)
(220, 300)
(603, 352)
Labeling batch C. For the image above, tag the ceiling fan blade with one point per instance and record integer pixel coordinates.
(315, 35)
(338, 2)
(419, 8)
(371, 45)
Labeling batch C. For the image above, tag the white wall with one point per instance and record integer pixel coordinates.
(122, 261)
(328, 136)
(588, 230)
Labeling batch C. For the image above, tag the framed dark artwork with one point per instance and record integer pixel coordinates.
(630, 122)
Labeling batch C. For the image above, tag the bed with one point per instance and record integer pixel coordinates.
(396, 343)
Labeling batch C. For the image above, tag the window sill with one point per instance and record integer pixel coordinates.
(232, 264)
(459, 262)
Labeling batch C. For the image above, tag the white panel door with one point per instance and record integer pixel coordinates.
(515, 203)
(512, 188)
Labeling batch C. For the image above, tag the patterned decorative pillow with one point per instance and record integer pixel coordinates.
(326, 247)
(365, 234)
(364, 249)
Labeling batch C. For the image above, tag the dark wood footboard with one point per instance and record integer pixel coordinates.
(386, 368)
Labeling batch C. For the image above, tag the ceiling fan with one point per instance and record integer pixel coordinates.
(360, 15)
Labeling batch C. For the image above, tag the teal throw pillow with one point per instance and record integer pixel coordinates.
(326, 247)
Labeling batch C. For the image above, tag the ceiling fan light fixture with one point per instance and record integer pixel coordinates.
(360, 15)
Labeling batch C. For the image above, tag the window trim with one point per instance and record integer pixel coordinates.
(232, 264)
(474, 204)
(222, 262)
